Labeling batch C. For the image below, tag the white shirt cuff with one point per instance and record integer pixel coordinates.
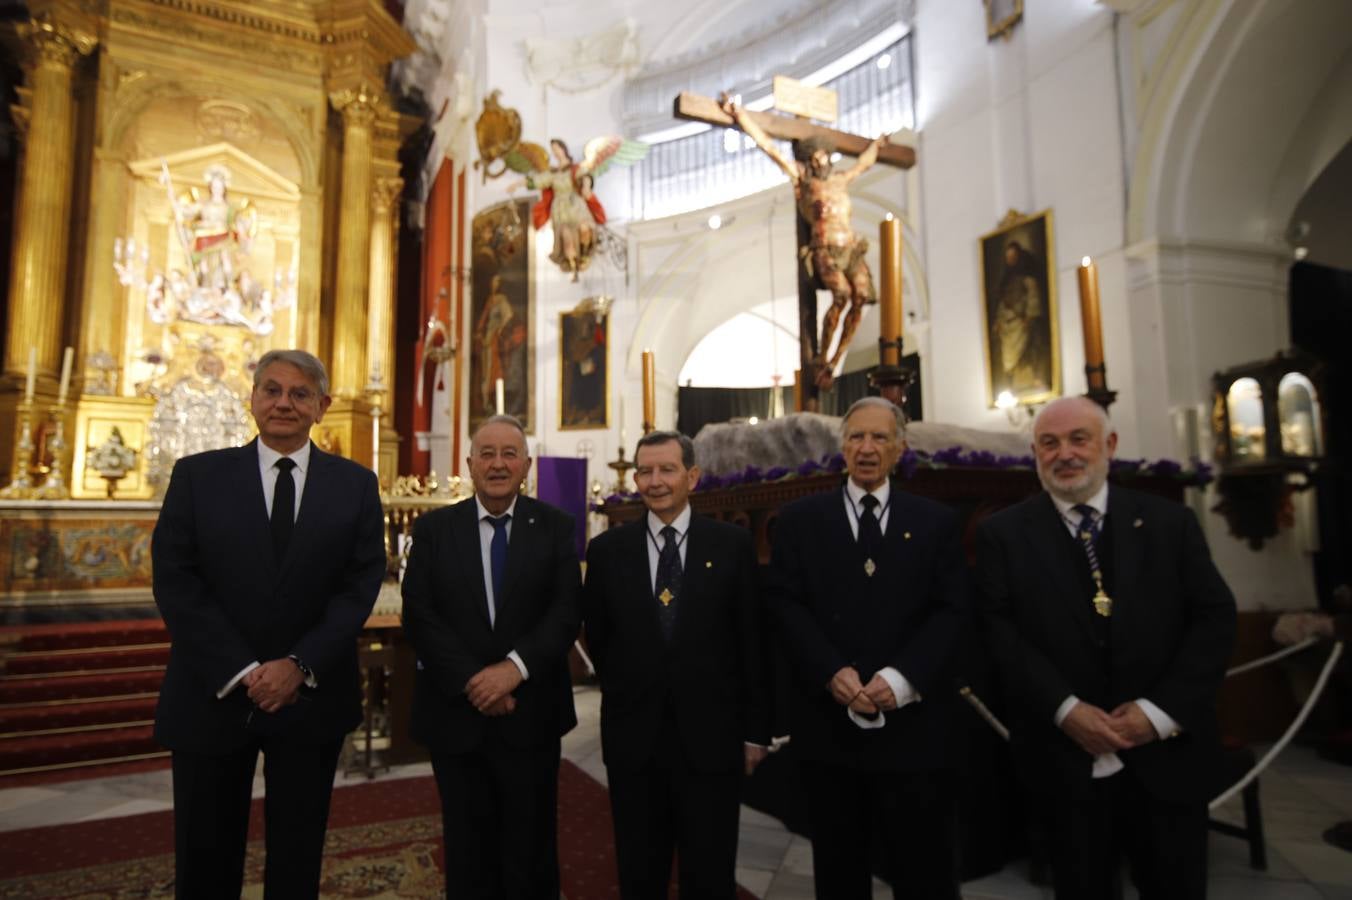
(1064, 709)
(1165, 726)
(1106, 764)
(864, 723)
(901, 688)
(521, 666)
(230, 685)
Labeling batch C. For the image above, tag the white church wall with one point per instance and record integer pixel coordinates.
(1028, 123)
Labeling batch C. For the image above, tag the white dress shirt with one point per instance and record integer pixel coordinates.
(267, 469)
(854, 500)
(485, 550)
(655, 525)
(1106, 764)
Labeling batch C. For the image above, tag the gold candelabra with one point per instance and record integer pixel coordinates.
(55, 487)
(621, 467)
(20, 485)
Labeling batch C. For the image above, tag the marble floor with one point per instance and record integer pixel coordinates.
(1302, 796)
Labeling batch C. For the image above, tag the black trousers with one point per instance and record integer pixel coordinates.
(665, 808)
(211, 818)
(1096, 824)
(906, 819)
(499, 809)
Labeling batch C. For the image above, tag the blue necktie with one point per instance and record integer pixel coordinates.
(497, 559)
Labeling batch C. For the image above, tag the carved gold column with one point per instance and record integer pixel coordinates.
(42, 229)
(380, 333)
(103, 317)
(359, 108)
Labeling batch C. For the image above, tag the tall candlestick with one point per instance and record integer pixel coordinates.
(649, 392)
(1092, 324)
(66, 359)
(32, 374)
(889, 309)
(500, 393)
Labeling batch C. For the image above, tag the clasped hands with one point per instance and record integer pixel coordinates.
(274, 684)
(1098, 732)
(865, 699)
(490, 690)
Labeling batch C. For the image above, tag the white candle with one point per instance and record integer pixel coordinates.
(500, 390)
(66, 360)
(32, 374)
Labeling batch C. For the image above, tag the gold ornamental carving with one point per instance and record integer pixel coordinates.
(384, 192)
(358, 105)
(498, 131)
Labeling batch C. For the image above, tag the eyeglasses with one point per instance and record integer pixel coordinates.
(299, 396)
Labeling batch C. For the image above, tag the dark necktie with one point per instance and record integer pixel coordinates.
(870, 531)
(497, 560)
(1087, 533)
(283, 507)
(668, 586)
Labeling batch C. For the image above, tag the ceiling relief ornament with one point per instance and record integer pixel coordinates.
(580, 64)
(226, 120)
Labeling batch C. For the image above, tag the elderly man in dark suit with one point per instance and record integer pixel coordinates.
(869, 589)
(1111, 628)
(673, 624)
(491, 607)
(267, 561)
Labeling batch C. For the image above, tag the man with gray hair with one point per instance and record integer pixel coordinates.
(869, 589)
(491, 607)
(267, 560)
(1111, 629)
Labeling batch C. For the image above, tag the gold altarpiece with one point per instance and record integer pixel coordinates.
(137, 117)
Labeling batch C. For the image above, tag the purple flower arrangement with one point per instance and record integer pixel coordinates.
(1198, 474)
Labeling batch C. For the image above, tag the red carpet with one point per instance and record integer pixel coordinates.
(384, 839)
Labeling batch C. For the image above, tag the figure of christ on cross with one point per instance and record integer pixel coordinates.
(831, 256)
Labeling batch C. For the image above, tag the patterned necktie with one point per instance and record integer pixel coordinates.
(668, 585)
(283, 519)
(870, 530)
(497, 560)
(1087, 533)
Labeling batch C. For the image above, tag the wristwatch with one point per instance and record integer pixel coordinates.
(306, 672)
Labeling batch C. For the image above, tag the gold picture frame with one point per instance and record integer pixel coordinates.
(1001, 17)
(1019, 311)
(584, 370)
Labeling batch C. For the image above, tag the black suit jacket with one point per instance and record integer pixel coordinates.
(446, 619)
(228, 602)
(910, 614)
(1171, 633)
(709, 675)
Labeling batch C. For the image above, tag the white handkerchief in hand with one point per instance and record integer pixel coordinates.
(864, 723)
(1106, 764)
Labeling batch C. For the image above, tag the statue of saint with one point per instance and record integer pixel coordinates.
(566, 192)
(835, 254)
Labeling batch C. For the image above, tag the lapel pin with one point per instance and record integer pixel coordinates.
(708, 564)
(906, 535)
(530, 521)
(1138, 523)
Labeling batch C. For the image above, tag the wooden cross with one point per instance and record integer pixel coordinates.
(696, 108)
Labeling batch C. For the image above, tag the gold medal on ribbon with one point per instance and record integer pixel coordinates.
(869, 567)
(666, 596)
(1103, 604)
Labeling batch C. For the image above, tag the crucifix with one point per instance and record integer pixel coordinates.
(830, 255)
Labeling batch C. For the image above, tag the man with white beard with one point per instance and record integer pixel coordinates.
(1111, 629)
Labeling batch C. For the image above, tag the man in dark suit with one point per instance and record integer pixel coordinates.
(491, 607)
(869, 589)
(267, 561)
(1111, 628)
(673, 626)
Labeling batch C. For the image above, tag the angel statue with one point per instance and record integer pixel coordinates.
(566, 192)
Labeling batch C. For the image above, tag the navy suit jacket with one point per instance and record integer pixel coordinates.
(710, 675)
(446, 620)
(1171, 633)
(911, 614)
(227, 601)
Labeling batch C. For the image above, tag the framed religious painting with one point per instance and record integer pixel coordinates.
(1018, 304)
(584, 368)
(502, 308)
(1001, 17)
